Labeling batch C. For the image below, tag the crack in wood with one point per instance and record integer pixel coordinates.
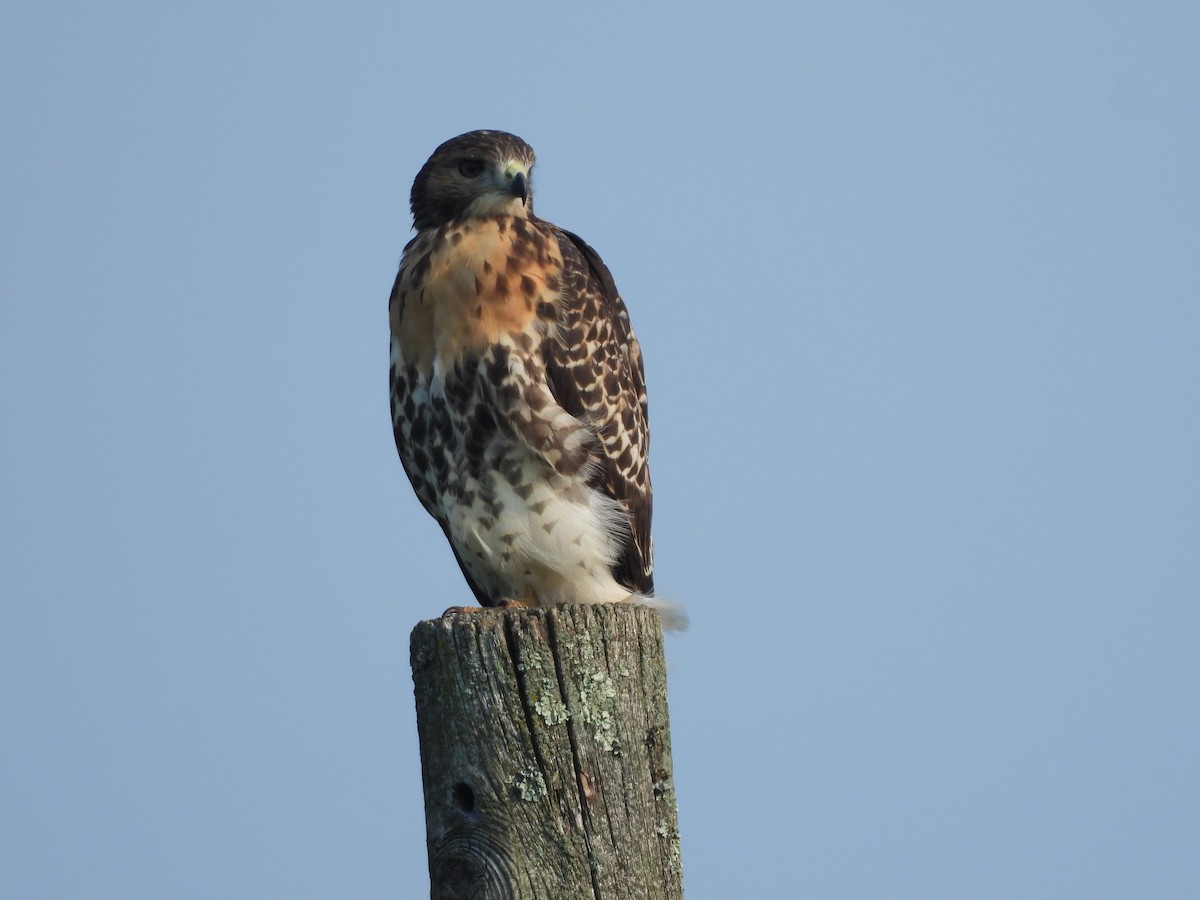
(531, 723)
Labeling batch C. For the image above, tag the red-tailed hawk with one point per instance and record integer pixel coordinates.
(518, 399)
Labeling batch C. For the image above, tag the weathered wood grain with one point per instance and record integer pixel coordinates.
(546, 755)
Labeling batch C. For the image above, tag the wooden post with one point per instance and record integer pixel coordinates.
(546, 755)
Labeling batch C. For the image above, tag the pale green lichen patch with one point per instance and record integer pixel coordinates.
(541, 684)
(597, 700)
(533, 661)
(550, 707)
(530, 784)
(674, 857)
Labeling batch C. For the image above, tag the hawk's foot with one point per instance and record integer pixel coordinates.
(502, 603)
(510, 603)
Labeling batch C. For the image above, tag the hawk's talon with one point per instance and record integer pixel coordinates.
(502, 603)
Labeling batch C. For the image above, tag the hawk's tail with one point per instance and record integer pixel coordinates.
(674, 617)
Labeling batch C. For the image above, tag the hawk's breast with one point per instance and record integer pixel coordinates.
(470, 285)
(493, 456)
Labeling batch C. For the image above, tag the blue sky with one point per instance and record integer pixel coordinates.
(917, 289)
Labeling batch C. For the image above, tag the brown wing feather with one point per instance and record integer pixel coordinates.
(595, 373)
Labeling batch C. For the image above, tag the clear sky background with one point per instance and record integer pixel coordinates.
(918, 287)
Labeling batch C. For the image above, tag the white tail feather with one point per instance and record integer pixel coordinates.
(674, 617)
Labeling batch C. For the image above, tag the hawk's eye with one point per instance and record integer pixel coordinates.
(470, 168)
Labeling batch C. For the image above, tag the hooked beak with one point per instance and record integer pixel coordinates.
(519, 187)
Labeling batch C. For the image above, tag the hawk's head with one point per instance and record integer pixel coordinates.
(479, 174)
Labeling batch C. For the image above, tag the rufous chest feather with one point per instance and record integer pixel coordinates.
(468, 285)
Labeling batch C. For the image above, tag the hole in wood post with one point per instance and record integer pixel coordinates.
(464, 798)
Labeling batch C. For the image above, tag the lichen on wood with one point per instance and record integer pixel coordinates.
(546, 756)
